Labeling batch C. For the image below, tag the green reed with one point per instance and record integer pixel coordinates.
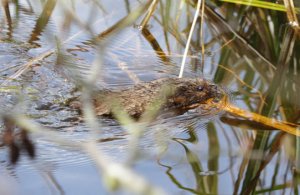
(257, 52)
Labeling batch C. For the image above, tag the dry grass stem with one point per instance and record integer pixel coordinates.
(149, 14)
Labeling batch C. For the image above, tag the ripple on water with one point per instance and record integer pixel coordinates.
(128, 58)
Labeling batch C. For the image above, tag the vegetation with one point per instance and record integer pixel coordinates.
(248, 47)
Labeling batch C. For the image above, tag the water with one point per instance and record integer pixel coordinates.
(181, 155)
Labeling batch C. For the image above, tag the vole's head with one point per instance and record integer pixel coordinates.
(190, 93)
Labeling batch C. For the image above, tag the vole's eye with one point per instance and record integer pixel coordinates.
(200, 88)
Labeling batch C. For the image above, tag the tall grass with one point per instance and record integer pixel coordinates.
(257, 53)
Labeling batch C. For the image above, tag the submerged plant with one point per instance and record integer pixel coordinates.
(249, 47)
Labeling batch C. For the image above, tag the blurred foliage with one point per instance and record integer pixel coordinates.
(251, 47)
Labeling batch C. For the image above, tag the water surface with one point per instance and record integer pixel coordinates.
(181, 155)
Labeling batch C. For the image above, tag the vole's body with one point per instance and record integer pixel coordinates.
(175, 95)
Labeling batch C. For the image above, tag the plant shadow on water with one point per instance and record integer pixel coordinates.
(50, 50)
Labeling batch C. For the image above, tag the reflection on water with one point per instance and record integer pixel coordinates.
(46, 49)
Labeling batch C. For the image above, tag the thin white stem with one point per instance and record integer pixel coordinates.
(189, 39)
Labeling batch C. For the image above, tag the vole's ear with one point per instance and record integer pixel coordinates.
(200, 80)
(179, 100)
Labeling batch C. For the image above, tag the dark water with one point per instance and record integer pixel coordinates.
(182, 155)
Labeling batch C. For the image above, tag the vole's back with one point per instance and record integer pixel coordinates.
(174, 92)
